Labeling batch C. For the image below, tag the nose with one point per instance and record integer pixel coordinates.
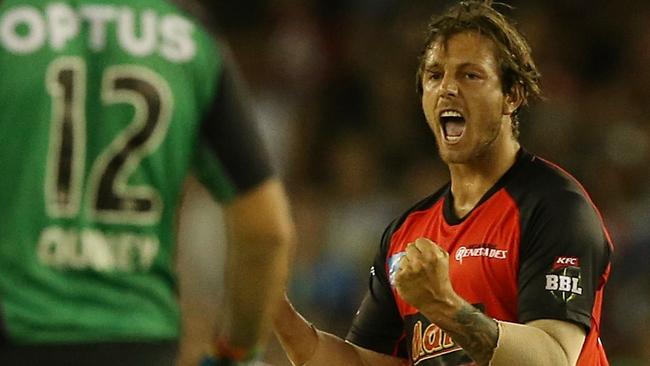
(448, 86)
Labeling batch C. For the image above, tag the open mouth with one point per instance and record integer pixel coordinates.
(453, 125)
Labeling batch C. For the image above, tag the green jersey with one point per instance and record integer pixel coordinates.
(105, 108)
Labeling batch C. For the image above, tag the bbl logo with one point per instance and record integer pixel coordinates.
(564, 280)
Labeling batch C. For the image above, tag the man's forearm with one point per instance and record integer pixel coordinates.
(260, 234)
(253, 289)
(493, 343)
(307, 346)
(475, 332)
(298, 337)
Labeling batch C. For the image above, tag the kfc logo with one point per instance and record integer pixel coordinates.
(562, 262)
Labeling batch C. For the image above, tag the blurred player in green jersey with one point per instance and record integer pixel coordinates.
(106, 107)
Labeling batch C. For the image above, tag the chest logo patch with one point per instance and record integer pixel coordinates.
(480, 250)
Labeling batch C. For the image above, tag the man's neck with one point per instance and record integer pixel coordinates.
(470, 182)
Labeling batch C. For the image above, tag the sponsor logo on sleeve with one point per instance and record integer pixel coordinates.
(564, 279)
(562, 262)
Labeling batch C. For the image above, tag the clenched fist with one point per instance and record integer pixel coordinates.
(423, 280)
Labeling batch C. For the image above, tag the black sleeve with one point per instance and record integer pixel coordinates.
(564, 252)
(378, 325)
(229, 134)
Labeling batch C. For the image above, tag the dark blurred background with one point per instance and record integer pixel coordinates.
(333, 85)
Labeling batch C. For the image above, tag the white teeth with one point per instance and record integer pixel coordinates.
(450, 114)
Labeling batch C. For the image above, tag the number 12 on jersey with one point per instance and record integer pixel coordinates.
(109, 197)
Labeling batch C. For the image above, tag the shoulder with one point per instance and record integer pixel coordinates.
(554, 206)
(542, 183)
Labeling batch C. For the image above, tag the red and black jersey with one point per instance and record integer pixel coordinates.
(534, 247)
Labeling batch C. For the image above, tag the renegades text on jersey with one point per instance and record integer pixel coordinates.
(534, 247)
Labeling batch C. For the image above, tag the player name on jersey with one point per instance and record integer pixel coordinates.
(74, 249)
(27, 29)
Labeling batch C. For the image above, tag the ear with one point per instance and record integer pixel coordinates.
(513, 100)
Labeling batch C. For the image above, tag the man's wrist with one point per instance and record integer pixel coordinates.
(443, 313)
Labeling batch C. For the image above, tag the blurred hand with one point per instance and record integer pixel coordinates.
(297, 336)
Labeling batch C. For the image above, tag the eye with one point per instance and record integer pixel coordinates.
(435, 75)
(472, 76)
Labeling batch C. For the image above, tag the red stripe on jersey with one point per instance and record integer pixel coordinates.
(593, 353)
(483, 252)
